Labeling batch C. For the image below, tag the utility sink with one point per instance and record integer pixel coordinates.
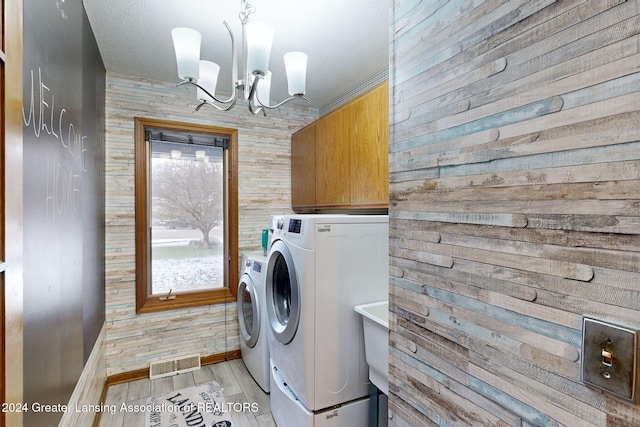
(375, 320)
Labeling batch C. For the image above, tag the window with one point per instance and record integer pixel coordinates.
(186, 215)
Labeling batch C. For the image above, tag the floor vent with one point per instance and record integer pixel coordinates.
(166, 368)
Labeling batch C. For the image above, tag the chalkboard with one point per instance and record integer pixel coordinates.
(63, 114)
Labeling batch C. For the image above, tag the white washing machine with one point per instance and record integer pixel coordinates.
(319, 267)
(252, 315)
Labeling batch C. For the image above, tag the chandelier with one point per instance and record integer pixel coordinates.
(255, 84)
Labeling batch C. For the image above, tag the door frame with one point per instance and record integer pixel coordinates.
(11, 211)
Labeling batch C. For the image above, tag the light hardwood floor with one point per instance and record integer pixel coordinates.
(232, 375)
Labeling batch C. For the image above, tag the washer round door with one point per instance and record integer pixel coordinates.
(283, 293)
(249, 311)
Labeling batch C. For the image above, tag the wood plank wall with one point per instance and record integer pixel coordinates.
(514, 186)
(264, 188)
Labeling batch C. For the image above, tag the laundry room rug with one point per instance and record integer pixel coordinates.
(201, 405)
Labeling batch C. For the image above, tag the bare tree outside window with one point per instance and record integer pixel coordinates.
(187, 205)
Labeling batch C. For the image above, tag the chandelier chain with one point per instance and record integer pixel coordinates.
(246, 11)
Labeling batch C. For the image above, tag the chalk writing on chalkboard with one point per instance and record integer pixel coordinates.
(64, 166)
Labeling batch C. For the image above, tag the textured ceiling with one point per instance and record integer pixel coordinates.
(347, 41)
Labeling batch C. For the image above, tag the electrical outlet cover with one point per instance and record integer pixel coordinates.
(609, 358)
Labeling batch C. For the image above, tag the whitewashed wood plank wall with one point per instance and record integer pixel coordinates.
(514, 211)
(264, 188)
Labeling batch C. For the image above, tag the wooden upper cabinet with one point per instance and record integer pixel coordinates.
(332, 160)
(340, 161)
(303, 167)
(369, 149)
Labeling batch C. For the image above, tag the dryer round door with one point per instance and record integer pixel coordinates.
(248, 311)
(283, 293)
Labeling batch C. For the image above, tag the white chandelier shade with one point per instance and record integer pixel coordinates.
(264, 89)
(187, 45)
(259, 37)
(208, 80)
(255, 83)
(296, 66)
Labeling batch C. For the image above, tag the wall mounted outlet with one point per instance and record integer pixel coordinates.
(609, 358)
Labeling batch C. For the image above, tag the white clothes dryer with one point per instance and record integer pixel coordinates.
(252, 315)
(319, 267)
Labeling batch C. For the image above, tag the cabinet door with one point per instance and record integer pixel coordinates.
(332, 160)
(303, 168)
(369, 155)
